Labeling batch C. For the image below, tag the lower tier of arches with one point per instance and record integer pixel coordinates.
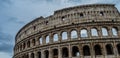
(75, 50)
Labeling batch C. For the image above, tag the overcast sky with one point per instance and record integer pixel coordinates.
(14, 14)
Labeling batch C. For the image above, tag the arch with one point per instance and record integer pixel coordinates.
(65, 52)
(46, 54)
(74, 34)
(64, 35)
(86, 50)
(33, 42)
(118, 48)
(104, 32)
(114, 31)
(24, 45)
(27, 56)
(39, 55)
(28, 44)
(75, 51)
(40, 40)
(101, 13)
(20, 47)
(94, 32)
(55, 37)
(32, 55)
(97, 49)
(81, 15)
(109, 49)
(55, 53)
(47, 39)
(83, 33)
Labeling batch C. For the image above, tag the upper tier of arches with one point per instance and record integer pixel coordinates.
(67, 16)
(73, 34)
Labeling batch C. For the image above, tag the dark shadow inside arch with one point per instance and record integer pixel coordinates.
(32, 55)
(28, 44)
(97, 50)
(46, 54)
(39, 54)
(118, 48)
(109, 49)
(64, 52)
(55, 53)
(86, 51)
(75, 51)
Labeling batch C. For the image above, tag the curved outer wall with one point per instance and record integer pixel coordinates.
(86, 31)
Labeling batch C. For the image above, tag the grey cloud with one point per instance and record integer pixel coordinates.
(6, 48)
(6, 42)
(15, 20)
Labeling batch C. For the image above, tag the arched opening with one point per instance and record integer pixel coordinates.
(118, 48)
(94, 32)
(20, 47)
(86, 50)
(24, 45)
(32, 55)
(81, 14)
(27, 56)
(104, 32)
(97, 50)
(47, 39)
(114, 31)
(64, 52)
(28, 44)
(75, 51)
(33, 42)
(64, 35)
(46, 54)
(74, 34)
(63, 18)
(23, 56)
(55, 37)
(83, 33)
(109, 49)
(101, 13)
(55, 53)
(39, 54)
(40, 40)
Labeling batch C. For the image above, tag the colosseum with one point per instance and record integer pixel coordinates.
(84, 31)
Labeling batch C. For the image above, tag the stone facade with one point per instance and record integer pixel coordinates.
(85, 31)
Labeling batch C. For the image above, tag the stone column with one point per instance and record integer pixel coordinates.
(29, 54)
(59, 37)
(89, 33)
(92, 50)
(42, 54)
(37, 41)
(50, 53)
(35, 54)
(51, 38)
(43, 40)
(110, 32)
(99, 32)
(59, 52)
(31, 44)
(78, 34)
(119, 32)
(104, 50)
(68, 35)
(115, 49)
(81, 51)
(70, 51)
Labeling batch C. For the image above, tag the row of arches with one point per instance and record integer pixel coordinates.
(83, 33)
(74, 34)
(86, 51)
